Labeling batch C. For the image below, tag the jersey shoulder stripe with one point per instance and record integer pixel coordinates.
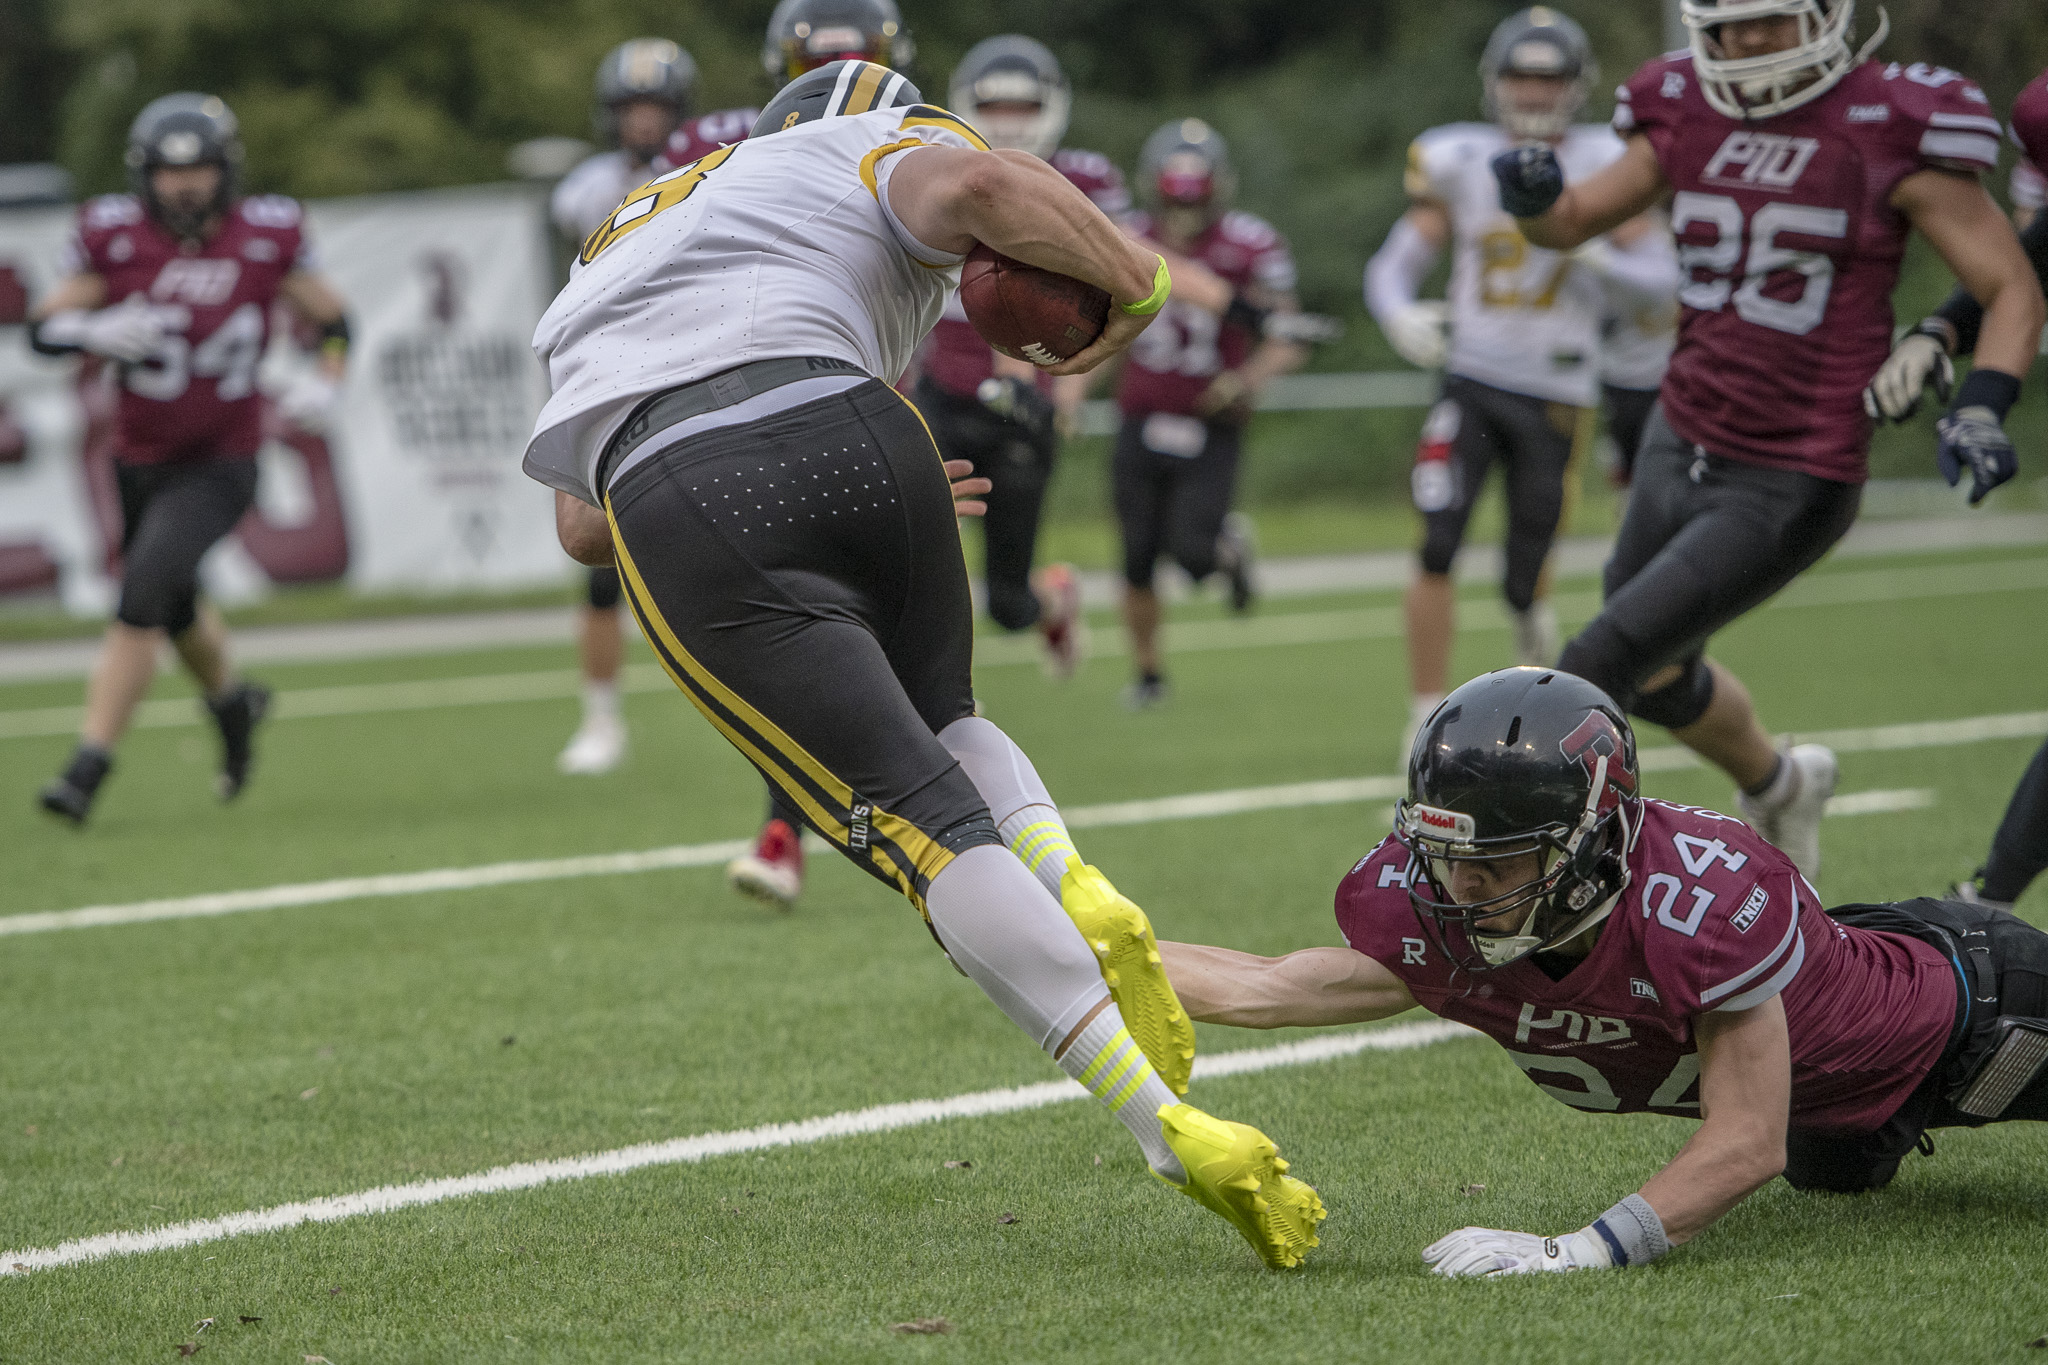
(931, 116)
(1791, 943)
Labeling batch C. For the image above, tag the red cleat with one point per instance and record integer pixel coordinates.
(774, 872)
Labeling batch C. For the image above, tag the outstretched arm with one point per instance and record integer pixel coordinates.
(1739, 1147)
(1600, 203)
(1313, 986)
(949, 198)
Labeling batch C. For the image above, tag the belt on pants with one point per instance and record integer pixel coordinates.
(658, 412)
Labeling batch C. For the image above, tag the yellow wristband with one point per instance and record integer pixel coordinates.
(1162, 285)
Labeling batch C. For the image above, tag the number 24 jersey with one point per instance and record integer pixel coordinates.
(195, 397)
(1713, 918)
(1789, 247)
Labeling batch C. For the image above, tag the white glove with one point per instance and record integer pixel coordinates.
(1895, 392)
(1420, 332)
(308, 401)
(130, 331)
(1489, 1251)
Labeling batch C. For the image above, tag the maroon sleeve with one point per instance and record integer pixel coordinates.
(1721, 911)
(1096, 176)
(1653, 101)
(1945, 121)
(699, 137)
(100, 220)
(1372, 903)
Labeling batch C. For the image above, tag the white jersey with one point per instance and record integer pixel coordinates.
(1640, 332)
(783, 245)
(1523, 318)
(587, 195)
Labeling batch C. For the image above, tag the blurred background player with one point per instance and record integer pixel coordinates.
(174, 284)
(1190, 385)
(999, 413)
(1796, 171)
(803, 35)
(2019, 849)
(1635, 344)
(1523, 356)
(644, 91)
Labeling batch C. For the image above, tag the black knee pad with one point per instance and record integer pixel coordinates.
(1439, 545)
(1013, 606)
(1682, 702)
(170, 606)
(1197, 560)
(604, 589)
(1600, 656)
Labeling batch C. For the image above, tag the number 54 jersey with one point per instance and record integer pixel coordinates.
(196, 395)
(1789, 247)
(1713, 918)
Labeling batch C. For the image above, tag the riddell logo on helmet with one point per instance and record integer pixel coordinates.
(1442, 824)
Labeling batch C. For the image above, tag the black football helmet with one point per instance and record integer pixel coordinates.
(1538, 42)
(1519, 762)
(1013, 69)
(185, 129)
(806, 34)
(1186, 164)
(642, 69)
(833, 91)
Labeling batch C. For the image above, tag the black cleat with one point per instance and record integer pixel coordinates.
(69, 794)
(236, 716)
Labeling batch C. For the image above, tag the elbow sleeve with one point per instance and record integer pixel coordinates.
(1395, 274)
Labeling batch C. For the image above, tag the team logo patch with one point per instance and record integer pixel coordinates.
(1869, 113)
(1411, 952)
(858, 826)
(1771, 161)
(1674, 85)
(1751, 908)
(1642, 990)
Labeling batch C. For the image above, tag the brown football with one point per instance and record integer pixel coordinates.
(1028, 313)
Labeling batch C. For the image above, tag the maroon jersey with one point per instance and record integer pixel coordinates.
(2030, 133)
(1713, 918)
(1174, 359)
(694, 139)
(196, 397)
(954, 356)
(1789, 249)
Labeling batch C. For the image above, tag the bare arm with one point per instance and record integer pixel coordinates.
(951, 198)
(1626, 188)
(1745, 1098)
(86, 290)
(1962, 223)
(1313, 986)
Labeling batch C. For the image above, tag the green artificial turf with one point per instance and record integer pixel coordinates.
(155, 1073)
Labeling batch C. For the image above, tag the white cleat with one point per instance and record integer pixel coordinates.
(1535, 635)
(595, 748)
(1792, 821)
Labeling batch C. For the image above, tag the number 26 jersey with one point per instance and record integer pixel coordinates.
(1789, 247)
(195, 396)
(1713, 918)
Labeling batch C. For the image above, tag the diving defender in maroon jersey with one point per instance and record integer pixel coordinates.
(1635, 956)
(1795, 172)
(174, 283)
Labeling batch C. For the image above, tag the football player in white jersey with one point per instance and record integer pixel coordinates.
(1635, 347)
(1519, 340)
(644, 88)
(785, 535)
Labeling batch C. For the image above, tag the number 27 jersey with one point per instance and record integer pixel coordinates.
(1714, 918)
(1789, 248)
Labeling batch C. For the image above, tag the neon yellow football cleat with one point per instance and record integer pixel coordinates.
(1122, 939)
(1235, 1170)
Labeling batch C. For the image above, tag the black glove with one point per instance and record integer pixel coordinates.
(1974, 437)
(1530, 179)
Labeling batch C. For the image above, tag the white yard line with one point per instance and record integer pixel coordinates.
(526, 1175)
(1193, 637)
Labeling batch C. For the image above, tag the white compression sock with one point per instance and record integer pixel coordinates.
(600, 699)
(1016, 943)
(1024, 812)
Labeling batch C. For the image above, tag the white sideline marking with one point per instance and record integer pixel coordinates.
(526, 1175)
(1880, 802)
(1192, 637)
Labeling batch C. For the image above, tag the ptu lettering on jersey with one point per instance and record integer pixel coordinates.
(1593, 1028)
(1771, 161)
(201, 281)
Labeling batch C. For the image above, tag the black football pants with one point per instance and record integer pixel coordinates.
(1020, 468)
(800, 578)
(2019, 851)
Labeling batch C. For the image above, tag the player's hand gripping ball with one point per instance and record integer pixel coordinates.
(1028, 313)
